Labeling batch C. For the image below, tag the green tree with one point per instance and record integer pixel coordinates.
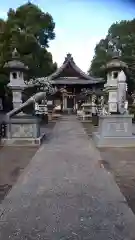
(122, 36)
(100, 58)
(29, 30)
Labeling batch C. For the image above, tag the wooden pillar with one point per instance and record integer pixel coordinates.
(62, 101)
(74, 103)
(65, 102)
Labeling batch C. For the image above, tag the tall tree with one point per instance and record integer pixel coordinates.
(122, 36)
(29, 30)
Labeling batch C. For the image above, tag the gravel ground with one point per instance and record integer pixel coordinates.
(13, 160)
(121, 163)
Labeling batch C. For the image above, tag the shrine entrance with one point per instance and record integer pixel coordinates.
(70, 80)
(70, 102)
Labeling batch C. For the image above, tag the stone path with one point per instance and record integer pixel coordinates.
(65, 194)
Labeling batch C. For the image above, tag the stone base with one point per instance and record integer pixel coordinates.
(23, 126)
(86, 121)
(23, 130)
(22, 142)
(114, 131)
(113, 141)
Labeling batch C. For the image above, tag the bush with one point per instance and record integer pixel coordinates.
(132, 111)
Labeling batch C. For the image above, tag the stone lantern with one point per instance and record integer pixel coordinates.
(115, 127)
(16, 70)
(113, 69)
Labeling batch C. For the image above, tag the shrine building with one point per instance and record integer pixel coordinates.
(70, 80)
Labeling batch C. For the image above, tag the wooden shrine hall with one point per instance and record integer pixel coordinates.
(70, 80)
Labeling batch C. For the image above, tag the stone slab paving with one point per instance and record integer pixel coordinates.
(65, 194)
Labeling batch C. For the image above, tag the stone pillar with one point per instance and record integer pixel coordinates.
(122, 90)
(17, 85)
(17, 98)
(112, 88)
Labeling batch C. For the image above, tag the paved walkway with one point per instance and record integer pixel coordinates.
(65, 194)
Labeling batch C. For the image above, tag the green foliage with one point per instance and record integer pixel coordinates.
(132, 111)
(122, 35)
(29, 30)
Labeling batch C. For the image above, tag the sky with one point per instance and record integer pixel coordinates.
(80, 24)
